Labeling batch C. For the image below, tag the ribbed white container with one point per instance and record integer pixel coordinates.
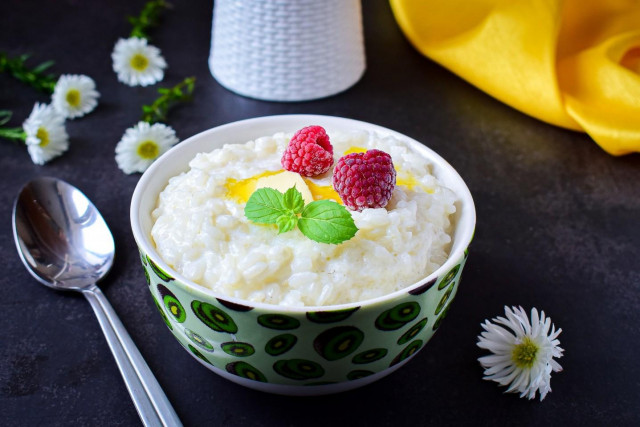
(287, 50)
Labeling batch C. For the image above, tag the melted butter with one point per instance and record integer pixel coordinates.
(241, 190)
(406, 180)
(322, 192)
(355, 150)
(410, 181)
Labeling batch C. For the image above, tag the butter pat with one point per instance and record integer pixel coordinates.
(285, 180)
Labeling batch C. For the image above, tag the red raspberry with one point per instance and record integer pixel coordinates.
(365, 180)
(309, 152)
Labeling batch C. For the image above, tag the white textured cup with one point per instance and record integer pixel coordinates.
(287, 50)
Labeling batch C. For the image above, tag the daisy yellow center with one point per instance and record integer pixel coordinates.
(524, 354)
(43, 136)
(139, 62)
(73, 97)
(148, 150)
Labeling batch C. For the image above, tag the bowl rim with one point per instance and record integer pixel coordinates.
(463, 233)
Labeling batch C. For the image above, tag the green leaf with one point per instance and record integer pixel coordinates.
(43, 67)
(293, 200)
(326, 221)
(286, 222)
(323, 221)
(5, 116)
(265, 206)
(34, 77)
(158, 110)
(149, 17)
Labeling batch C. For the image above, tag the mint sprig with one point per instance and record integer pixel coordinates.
(292, 200)
(323, 221)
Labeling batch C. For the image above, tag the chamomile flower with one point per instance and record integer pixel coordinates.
(142, 144)
(523, 355)
(46, 136)
(137, 63)
(74, 96)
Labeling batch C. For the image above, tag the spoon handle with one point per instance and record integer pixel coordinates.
(149, 399)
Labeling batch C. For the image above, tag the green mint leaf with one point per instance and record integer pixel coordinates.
(265, 206)
(293, 200)
(326, 221)
(286, 222)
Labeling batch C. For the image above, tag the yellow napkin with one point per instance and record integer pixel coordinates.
(572, 63)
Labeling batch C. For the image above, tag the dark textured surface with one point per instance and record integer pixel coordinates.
(558, 229)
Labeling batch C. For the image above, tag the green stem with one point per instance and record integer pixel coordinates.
(158, 110)
(13, 134)
(148, 18)
(33, 77)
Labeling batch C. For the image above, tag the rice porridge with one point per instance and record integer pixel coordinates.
(200, 229)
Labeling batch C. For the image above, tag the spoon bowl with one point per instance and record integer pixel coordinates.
(66, 244)
(62, 239)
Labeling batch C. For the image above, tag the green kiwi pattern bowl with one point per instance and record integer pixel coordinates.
(297, 350)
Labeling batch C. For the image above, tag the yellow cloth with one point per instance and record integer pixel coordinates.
(572, 63)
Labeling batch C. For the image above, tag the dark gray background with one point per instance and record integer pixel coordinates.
(557, 229)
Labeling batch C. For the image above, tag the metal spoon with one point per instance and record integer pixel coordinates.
(65, 244)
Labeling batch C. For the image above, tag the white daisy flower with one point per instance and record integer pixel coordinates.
(137, 63)
(46, 135)
(142, 144)
(74, 95)
(523, 357)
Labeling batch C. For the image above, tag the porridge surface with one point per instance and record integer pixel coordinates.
(200, 229)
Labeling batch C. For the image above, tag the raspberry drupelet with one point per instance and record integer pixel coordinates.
(309, 152)
(365, 180)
